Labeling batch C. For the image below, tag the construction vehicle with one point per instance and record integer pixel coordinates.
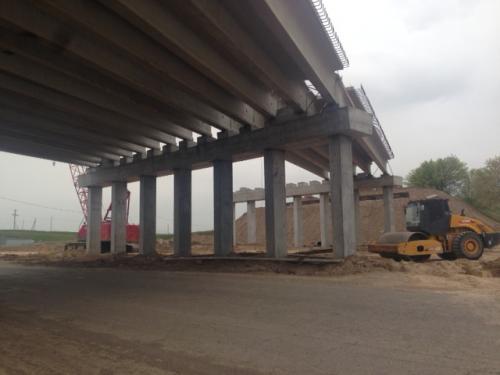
(132, 230)
(433, 229)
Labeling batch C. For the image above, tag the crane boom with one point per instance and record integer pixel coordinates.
(81, 192)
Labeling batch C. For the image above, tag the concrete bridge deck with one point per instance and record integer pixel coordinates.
(140, 89)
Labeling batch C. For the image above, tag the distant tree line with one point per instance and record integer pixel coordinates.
(479, 187)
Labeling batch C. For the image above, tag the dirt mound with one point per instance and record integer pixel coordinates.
(372, 217)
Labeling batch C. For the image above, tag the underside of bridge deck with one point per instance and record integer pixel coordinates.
(148, 88)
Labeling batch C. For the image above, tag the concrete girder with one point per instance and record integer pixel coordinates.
(13, 118)
(66, 84)
(312, 51)
(45, 53)
(296, 159)
(60, 157)
(374, 147)
(29, 148)
(158, 65)
(313, 157)
(230, 34)
(80, 108)
(42, 137)
(347, 121)
(33, 110)
(164, 27)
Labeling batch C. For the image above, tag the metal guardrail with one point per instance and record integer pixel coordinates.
(363, 98)
(330, 31)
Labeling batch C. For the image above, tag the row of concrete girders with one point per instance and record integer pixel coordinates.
(297, 191)
(341, 207)
(106, 43)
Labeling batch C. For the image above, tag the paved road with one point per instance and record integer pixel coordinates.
(105, 321)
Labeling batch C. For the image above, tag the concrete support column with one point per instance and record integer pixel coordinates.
(389, 224)
(223, 207)
(234, 224)
(94, 220)
(118, 217)
(325, 220)
(182, 212)
(147, 215)
(298, 222)
(357, 217)
(274, 174)
(342, 193)
(251, 222)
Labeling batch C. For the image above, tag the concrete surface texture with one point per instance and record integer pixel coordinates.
(102, 321)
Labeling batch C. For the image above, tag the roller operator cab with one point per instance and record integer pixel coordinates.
(433, 229)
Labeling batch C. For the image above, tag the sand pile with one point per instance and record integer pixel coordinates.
(372, 217)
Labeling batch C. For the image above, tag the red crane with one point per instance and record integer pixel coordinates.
(132, 230)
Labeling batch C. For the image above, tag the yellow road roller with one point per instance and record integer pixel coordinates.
(433, 229)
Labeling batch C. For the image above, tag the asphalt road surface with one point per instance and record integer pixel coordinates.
(111, 321)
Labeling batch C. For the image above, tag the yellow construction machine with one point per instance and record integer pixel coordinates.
(433, 229)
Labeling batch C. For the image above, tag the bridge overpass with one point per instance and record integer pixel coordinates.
(141, 89)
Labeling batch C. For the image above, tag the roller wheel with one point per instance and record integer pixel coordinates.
(468, 245)
(420, 258)
(447, 256)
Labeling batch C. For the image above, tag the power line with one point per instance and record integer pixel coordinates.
(40, 206)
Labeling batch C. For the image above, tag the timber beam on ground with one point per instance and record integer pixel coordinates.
(347, 121)
(317, 187)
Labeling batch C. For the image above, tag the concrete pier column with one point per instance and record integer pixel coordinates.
(325, 220)
(119, 217)
(274, 174)
(147, 215)
(357, 217)
(298, 222)
(223, 207)
(389, 224)
(94, 220)
(234, 224)
(182, 212)
(342, 193)
(251, 222)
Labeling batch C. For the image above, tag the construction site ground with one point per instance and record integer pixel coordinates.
(62, 312)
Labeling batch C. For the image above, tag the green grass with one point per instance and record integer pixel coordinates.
(39, 236)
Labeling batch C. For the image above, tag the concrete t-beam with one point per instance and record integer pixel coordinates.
(119, 217)
(342, 193)
(147, 215)
(94, 220)
(182, 212)
(251, 222)
(274, 174)
(223, 207)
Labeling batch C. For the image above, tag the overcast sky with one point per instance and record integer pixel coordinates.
(431, 69)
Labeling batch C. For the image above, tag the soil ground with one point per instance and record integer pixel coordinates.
(79, 320)
(62, 312)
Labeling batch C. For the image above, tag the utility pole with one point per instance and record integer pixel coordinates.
(14, 215)
(51, 223)
(33, 226)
